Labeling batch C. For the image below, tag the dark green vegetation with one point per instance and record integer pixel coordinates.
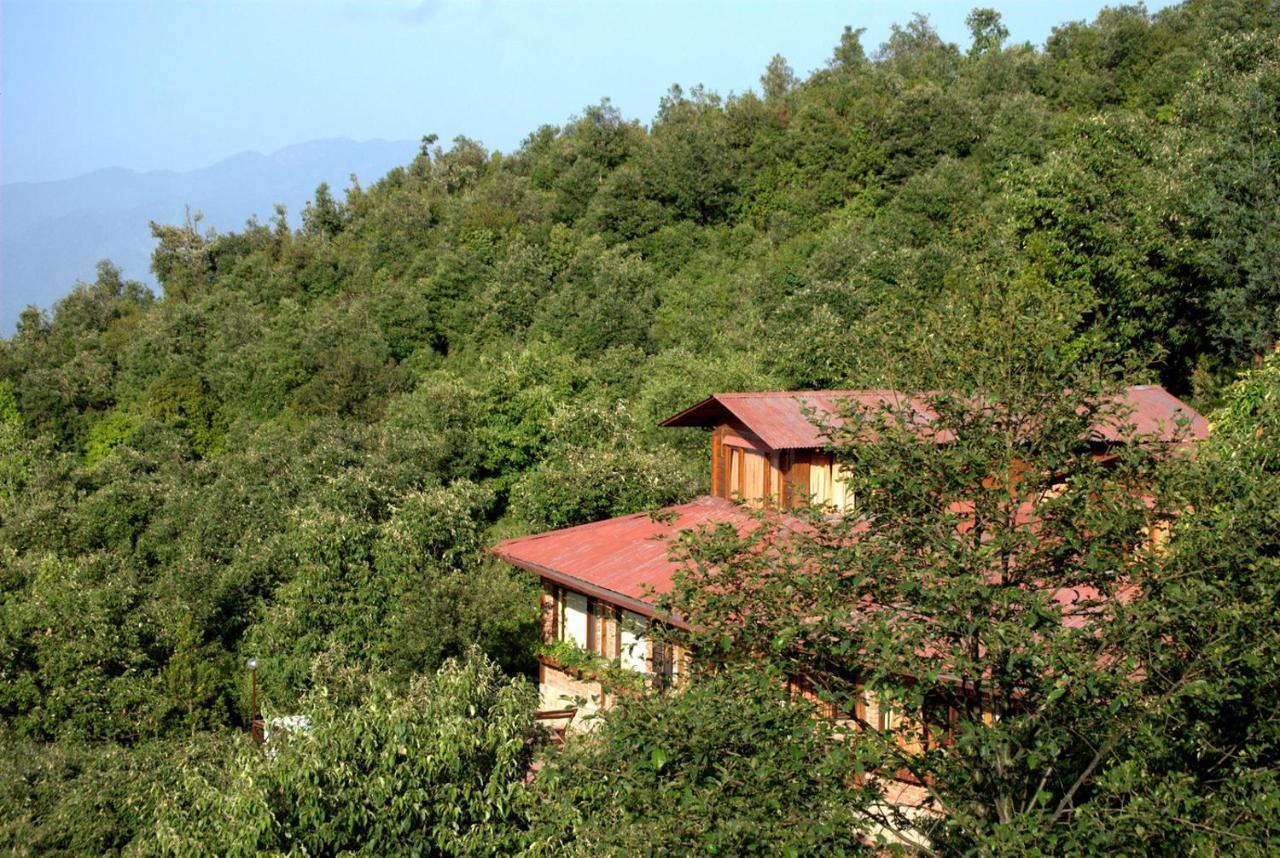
(1061, 683)
(298, 450)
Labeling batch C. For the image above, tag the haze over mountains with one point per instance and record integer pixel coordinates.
(53, 233)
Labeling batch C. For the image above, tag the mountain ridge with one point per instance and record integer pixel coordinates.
(53, 233)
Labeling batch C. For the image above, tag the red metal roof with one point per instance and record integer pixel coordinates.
(786, 420)
(1157, 412)
(626, 561)
(622, 560)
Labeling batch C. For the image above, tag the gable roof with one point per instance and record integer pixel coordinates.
(1157, 412)
(790, 420)
(624, 561)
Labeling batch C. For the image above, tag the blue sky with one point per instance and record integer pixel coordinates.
(179, 84)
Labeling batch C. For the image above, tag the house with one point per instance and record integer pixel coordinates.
(600, 580)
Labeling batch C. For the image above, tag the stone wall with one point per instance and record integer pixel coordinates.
(559, 690)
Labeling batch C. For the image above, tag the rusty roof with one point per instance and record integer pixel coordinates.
(1158, 412)
(624, 560)
(788, 420)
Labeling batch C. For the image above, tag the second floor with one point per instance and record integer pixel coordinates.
(772, 448)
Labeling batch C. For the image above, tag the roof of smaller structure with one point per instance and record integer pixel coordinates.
(624, 560)
(789, 420)
(1157, 412)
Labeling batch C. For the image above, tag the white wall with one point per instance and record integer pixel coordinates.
(575, 618)
(635, 648)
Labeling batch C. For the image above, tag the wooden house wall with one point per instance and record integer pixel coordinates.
(601, 628)
(790, 478)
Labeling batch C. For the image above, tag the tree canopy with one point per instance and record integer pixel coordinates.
(298, 451)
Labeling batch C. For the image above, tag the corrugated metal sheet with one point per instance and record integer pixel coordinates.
(1158, 412)
(626, 557)
(789, 420)
(625, 561)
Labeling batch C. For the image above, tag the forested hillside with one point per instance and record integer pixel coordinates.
(298, 451)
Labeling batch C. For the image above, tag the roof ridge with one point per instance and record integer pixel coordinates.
(700, 500)
(555, 530)
(797, 393)
(870, 390)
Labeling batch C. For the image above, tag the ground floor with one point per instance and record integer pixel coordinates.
(561, 691)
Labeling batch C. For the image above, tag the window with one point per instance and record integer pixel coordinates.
(585, 622)
(575, 624)
(735, 471)
(802, 689)
(632, 645)
(938, 722)
(906, 731)
(664, 664)
(751, 476)
(828, 483)
(755, 474)
(820, 479)
(920, 731)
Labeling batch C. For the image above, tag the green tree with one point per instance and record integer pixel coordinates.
(726, 767)
(180, 261)
(14, 466)
(322, 216)
(987, 30)
(1232, 113)
(596, 468)
(1200, 773)
(288, 454)
(1098, 218)
(981, 587)
(778, 78)
(849, 54)
(69, 799)
(692, 166)
(437, 770)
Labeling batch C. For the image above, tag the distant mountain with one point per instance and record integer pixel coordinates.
(53, 233)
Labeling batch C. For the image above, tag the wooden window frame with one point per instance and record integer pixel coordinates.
(593, 634)
(770, 488)
(559, 597)
(617, 634)
(733, 488)
(663, 666)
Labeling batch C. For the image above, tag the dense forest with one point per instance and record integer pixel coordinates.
(299, 451)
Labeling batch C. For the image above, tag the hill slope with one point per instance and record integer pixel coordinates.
(298, 449)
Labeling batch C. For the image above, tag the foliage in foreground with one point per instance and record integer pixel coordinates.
(1064, 678)
(297, 450)
(725, 767)
(436, 770)
(1202, 771)
(91, 798)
